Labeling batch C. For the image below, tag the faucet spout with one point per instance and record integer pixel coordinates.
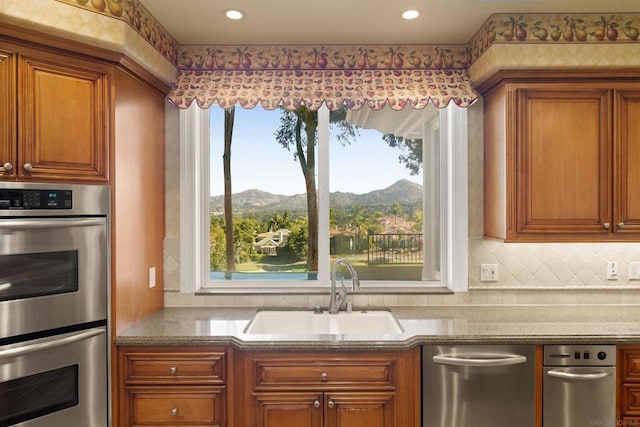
(337, 299)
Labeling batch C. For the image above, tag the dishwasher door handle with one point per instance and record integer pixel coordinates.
(481, 360)
(572, 376)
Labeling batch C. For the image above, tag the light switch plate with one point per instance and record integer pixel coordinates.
(612, 270)
(488, 272)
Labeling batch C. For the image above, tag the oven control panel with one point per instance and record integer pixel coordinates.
(35, 199)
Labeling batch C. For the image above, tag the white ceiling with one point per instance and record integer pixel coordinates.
(350, 21)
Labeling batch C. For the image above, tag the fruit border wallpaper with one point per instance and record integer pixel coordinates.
(138, 18)
(304, 57)
(555, 29)
(499, 28)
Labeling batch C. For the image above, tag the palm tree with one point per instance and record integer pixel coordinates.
(229, 115)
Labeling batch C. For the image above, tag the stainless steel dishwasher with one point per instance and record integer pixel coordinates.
(579, 386)
(478, 385)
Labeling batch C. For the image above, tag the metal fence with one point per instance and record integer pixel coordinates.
(395, 248)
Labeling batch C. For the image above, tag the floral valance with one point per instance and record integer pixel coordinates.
(354, 88)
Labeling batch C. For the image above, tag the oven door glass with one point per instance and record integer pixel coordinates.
(53, 273)
(57, 390)
(55, 381)
(35, 275)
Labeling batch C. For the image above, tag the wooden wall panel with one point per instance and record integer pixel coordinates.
(138, 199)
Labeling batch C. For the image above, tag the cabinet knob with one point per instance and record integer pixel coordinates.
(606, 225)
(8, 167)
(316, 404)
(331, 404)
(28, 167)
(174, 411)
(324, 376)
(621, 224)
(173, 370)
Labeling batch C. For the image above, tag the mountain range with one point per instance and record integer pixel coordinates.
(403, 192)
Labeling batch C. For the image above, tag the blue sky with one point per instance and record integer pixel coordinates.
(259, 162)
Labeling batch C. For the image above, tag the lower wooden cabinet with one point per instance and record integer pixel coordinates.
(628, 393)
(328, 389)
(220, 387)
(171, 386)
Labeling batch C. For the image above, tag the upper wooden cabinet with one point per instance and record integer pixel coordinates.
(54, 116)
(560, 156)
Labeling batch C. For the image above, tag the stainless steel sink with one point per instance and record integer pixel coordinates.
(297, 322)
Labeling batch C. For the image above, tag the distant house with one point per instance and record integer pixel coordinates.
(268, 243)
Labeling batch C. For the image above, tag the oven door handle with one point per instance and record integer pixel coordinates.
(31, 348)
(20, 224)
(573, 376)
(488, 360)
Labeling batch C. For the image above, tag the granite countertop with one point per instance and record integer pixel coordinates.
(422, 325)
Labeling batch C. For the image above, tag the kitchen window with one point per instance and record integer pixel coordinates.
(391, 198)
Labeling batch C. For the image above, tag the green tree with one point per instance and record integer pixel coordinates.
(298, 238)
(217, 246)
(244, 232)
(410, 151)
(278, 221)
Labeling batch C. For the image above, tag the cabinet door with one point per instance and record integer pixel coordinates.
(63, 118)
(8, 103)
(627, 159)
(562, 170)
(360, 409)
(288, 410)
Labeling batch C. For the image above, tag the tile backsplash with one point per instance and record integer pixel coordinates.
(528, 273)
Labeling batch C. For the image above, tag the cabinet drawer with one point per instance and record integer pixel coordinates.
(175, 368)
(176, 406)
(631, 366)
(366, 373)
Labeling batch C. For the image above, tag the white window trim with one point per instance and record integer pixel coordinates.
(194, 202)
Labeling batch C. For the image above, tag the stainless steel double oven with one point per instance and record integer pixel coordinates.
(53, 305)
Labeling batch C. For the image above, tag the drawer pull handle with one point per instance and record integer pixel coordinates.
(621, 224)
(606, 225)
(173, 370)
(7, 167)
(324, 376)
(316, 404)
(174, 411)
(331, 404)
(28, 167)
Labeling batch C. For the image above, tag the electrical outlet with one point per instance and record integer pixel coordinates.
(612, 270)
(488, 272)
(634, 271)
(152, 277)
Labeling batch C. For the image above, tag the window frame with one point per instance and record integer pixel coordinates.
(194, 213)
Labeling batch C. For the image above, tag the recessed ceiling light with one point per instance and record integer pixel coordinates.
(233, 14)
(410, 14)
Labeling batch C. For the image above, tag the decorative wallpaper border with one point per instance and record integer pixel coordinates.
(554, 29)
(306, 57)
(138, 17)
(558, 29)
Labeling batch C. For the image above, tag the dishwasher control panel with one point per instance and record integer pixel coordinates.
(580, 355)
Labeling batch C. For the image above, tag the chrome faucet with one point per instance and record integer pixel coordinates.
(337, 299)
